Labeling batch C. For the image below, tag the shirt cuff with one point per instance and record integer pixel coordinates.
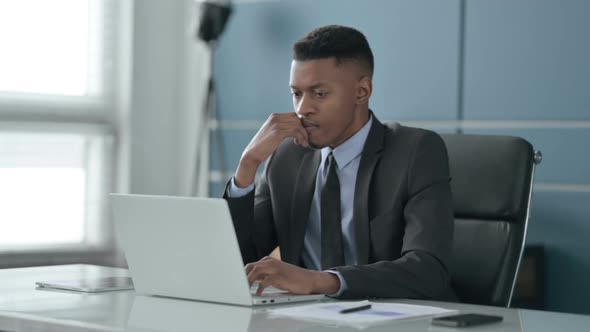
(237, 192)
(343, 285)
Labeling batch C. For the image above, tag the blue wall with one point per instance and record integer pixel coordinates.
(526, 61)
(477, 66)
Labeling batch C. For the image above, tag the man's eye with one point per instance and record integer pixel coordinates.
(320, 94)
(296, 94)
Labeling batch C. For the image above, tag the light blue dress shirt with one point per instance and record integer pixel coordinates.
(348, 156)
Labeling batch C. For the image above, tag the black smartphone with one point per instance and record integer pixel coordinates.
(463, 320)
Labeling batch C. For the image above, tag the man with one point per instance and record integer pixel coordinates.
(359, 209)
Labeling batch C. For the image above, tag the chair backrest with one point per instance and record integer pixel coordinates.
(491, 181)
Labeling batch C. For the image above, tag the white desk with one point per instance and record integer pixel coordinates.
(23, 308)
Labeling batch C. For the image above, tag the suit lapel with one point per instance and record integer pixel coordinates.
(304, 189)
(369, 158)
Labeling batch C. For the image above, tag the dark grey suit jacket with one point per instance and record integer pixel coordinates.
(403, 217)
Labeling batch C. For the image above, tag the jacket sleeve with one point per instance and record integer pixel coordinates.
(253, 219)
(422, 270)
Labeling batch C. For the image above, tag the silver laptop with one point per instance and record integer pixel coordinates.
(88, 284)
(186, 247)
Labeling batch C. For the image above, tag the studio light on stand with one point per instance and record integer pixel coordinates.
(213, 19)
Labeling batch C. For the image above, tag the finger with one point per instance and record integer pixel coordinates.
(249, 267)
(283, 118)
(264, 268)
(303, 141)
(263, 284)
(251, 274)
(290, 121)
(261, 287)
(292, 116)
(298, 125)
(300, 135)
(257, 273)
(298, 140)
(305, 135)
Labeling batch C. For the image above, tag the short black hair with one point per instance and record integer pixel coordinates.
(337, 41)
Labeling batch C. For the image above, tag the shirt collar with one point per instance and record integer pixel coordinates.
(351, 148)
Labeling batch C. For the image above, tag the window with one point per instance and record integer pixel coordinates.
(51, 47)
(51, 186)
(57, 105)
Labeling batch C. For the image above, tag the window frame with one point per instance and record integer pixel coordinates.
(94, 115)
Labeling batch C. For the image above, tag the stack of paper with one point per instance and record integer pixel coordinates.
(377, 314)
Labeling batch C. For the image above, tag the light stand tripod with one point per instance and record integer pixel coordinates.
(214, 16)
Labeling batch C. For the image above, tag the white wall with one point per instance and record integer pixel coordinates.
(167, 87)
(161, 97)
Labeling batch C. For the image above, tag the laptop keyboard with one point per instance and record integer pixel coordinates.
(268, 292)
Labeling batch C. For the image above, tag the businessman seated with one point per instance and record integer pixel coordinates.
(359, 209)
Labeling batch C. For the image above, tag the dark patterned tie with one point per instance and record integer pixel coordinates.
(332, 252)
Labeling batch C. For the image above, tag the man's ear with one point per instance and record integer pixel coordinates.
(364, 90)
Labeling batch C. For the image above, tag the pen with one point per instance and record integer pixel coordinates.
(355, 309)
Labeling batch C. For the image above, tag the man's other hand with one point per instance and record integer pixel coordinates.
(296, 280)
(275, 129)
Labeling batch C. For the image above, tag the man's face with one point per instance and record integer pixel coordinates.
(325, 99)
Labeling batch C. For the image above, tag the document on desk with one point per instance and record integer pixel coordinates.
(370, 313)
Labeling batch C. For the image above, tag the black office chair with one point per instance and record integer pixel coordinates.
(491, 181)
